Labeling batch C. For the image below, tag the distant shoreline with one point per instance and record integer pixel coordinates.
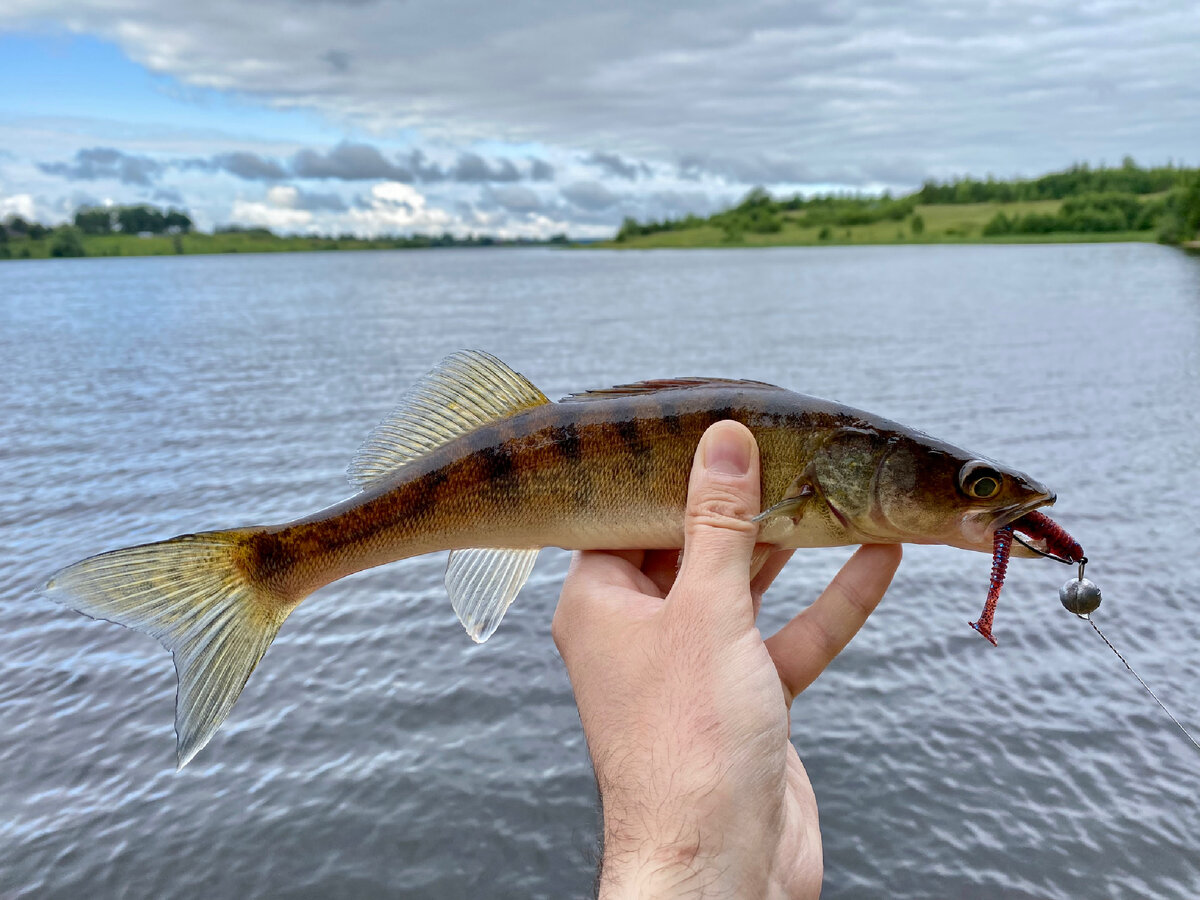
(130, 247)
(663, 242)
(223, 243)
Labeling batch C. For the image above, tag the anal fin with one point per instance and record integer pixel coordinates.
(483, 583)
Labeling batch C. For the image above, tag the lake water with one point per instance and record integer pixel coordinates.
(377, 752)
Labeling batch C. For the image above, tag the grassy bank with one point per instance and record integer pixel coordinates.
(943, 223)
(21, 247)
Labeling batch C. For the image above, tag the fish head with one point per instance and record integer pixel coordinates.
(896, 486)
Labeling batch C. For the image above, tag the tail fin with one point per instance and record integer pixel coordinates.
(195, 594)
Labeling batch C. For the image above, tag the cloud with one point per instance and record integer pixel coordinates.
(18, 205)
(317, 202)
(690, 103)
(756, 168)
(422, 168)
(393, 206)
(339, 60)
(516, 198)
(165, 195)
(289, 197)
(589, 195)
(471, 167)
(613, 164)
(857, 86)
(675, 204)
(286, 208)
(540, 170)
(249, 166)
(773, 169)
(96, 163)
(363, 162)
(267, 215)
(348, 162)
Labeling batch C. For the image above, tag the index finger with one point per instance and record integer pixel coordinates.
(803, 647)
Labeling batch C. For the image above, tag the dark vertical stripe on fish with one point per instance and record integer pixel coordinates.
(566, 440)
(428, 496)
(672, 424)
(498, 466)
(631, 433)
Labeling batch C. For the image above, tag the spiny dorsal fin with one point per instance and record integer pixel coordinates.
(663, 384)
(466, 390)
(483, 583)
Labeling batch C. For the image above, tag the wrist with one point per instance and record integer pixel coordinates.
(656, 869)
(686, 855)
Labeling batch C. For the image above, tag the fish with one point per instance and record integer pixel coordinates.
(476, 460)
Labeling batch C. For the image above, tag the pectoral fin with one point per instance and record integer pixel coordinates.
(792, 506)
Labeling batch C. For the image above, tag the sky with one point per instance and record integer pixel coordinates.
(532, 118)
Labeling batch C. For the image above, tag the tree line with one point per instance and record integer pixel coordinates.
(67, 240)
(1165, 199)
(1175, 215)
(140, 219)
(90, 225)
(1128, 178)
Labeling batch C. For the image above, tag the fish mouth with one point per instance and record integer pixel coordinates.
(980, 527)
(1010, 514)
(1023, 546)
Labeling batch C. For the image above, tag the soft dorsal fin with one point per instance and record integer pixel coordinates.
(663, 384)
(466, 390)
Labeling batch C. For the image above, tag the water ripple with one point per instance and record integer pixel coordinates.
(377, 752)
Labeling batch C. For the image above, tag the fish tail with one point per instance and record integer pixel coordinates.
(207, 600)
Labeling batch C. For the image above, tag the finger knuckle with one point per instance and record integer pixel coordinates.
(856, 599)
(724, 508)
(825, 643)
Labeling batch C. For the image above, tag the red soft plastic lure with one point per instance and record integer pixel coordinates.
(1042, 530)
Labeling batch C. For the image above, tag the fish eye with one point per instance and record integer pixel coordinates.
(980, 480)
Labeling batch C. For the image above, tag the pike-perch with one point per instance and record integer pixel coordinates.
(476, 460)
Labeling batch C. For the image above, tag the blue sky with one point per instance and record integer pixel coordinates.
(531, 117)
(65, 75)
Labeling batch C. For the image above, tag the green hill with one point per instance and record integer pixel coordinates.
(1126, 203)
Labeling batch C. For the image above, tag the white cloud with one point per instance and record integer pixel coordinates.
(283, 197)
(18, 205)
(277, 213)
(392, 206)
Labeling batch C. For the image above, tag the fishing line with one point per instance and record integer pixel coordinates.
(1040, 552)
(1082, 597)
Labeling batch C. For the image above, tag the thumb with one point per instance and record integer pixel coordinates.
(718, 537)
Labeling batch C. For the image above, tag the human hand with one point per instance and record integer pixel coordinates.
(685, 707)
